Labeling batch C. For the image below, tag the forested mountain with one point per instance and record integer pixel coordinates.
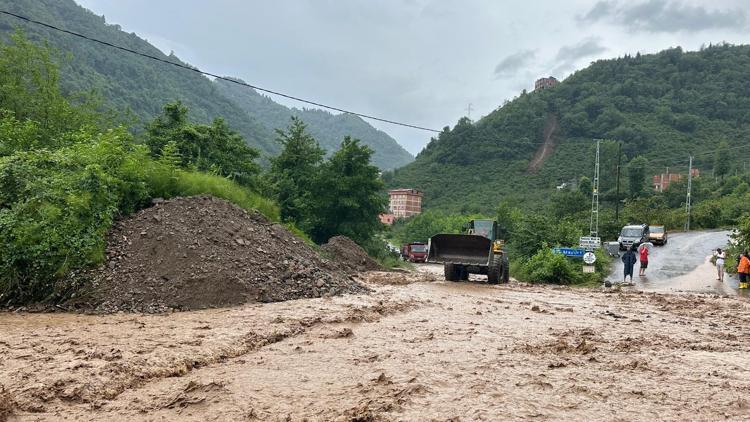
(143, 86)
(663, 106)
(327, 128)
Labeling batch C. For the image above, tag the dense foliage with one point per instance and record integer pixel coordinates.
(652, 111)
(212, 148)
(142, 86)
(342, 195)
(327, 128)
(64, 177)
(295, 171)
(662, 107)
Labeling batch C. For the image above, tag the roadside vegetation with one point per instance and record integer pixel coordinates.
(69, 167)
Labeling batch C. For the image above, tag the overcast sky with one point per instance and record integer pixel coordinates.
(417, 61)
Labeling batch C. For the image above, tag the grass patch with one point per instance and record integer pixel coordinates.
(170, 183)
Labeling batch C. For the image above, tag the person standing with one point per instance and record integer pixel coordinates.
(628, 259)
(720, 257)
(643, 252)
(743, 269)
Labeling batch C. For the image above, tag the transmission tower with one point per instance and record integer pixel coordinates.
(594, 225)
(689, 191)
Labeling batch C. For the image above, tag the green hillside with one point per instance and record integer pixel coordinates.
(143, 86)
(327, 128)
(664, 106)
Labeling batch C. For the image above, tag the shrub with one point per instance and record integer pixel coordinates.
(168, 183)
(55, 208)
(547, 267)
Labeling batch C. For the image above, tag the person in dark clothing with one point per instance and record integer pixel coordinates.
(629, 259)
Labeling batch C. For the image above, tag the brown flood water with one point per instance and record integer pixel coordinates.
(415, 349)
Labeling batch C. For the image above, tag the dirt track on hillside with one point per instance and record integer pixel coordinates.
(414, 349)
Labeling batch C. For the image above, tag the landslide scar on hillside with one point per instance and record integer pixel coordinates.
(551, 139)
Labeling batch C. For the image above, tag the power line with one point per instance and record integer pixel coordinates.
(280, 94)
(196, 70)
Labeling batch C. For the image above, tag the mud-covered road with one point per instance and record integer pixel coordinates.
(415, 349)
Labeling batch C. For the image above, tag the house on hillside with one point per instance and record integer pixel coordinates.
(661, 181)
(544, 83)
(387, 219)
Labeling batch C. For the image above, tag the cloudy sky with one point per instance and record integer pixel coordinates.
(417, 61)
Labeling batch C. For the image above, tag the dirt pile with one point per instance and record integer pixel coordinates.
(200, 252)
(349, 255)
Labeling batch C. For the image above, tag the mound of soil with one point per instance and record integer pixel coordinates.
(201, 252)
(349, 255)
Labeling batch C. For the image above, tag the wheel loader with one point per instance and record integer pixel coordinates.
(476, 251)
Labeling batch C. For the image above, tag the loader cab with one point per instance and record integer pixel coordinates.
(484, 228)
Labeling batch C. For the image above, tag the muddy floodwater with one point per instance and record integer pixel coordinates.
(415, 349)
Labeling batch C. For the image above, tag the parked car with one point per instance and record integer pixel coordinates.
(633, 235)
(658, 235)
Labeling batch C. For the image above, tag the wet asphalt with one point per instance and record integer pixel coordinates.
(683, 264)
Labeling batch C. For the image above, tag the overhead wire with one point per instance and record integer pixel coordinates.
(273, 92)
(196, 70)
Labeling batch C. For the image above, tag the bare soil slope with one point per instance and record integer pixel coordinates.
(199, 252)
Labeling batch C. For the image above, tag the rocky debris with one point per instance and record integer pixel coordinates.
(202, 252)
(349, 255)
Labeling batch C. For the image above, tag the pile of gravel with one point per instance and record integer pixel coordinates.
(201, 252)
(349, 255)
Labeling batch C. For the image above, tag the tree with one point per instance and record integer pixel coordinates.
(347, 197)
(637, 176)
(294, 171)
(165, 127)
(211, 148)
(507, 216)
(566, 203)
(585, 186)
(30, 93)
(721, 160)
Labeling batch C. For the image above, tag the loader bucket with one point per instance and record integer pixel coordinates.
(464, 249)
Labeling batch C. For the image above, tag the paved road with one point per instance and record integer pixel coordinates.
(683, 265)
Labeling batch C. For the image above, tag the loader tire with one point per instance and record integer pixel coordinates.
(451, 272)
(494, 272)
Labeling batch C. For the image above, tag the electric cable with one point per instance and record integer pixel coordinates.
(196, 70)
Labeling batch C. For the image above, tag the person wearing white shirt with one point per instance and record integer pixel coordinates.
(720, 257)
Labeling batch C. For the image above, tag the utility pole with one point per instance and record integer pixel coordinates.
(617, 194)
(468, 109)
(689, 191)
(594, 224)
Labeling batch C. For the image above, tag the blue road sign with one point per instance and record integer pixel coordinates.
(570, 252)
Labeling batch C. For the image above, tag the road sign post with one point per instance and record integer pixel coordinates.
(590, 242)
